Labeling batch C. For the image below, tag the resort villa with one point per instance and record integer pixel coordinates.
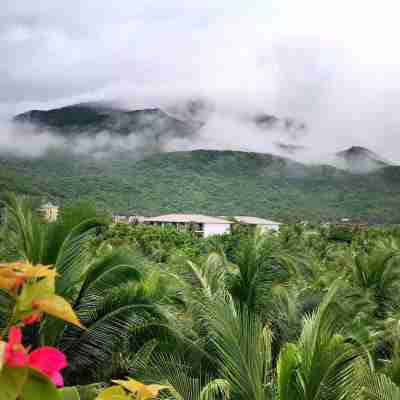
(203, 225)
(263, 224)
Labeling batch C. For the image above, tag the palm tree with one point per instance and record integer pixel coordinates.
(321, 365)
(377, 275)
(113, 296)
(260, 265)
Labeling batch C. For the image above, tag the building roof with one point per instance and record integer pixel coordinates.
(255, 221)
(188, 218)
(48, 205)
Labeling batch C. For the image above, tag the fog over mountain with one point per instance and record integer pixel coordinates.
(283, 59)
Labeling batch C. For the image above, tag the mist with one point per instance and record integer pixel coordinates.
(333, 66)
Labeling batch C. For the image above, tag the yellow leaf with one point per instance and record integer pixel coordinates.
(154, 390)
(58, 307)
(7, 283)
(8, 273)
(14, 266)
(14, 275)
(113, 393)
(37, 271)
(25, 270)
(142, 391)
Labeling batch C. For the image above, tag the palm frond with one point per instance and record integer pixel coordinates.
(320, 366)
(242, 349)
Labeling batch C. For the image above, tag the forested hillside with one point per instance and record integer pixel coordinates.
(214, 182)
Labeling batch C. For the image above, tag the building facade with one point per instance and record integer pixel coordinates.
(203, 225)
(49, 212)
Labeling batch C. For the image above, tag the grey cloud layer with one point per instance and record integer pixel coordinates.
(333, 64)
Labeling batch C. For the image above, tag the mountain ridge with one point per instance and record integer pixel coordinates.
(215, 183)
(154, 129)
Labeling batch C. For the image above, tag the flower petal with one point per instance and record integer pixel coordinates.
(47, 360)
(57, 379)
(15, 336)
(16, 359)
(32, 319)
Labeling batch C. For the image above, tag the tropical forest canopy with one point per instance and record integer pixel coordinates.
(311, 312)
(209, 182)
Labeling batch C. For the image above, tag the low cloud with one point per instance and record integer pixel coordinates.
(333, 65)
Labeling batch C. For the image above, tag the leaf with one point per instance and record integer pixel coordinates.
(3, 346)
(11, 382)
(69, 393)
(25, 270)
(31, 291)
(7, 283)
(58, 307)
(39, 387)
(113, 393)
(142, 391)
(38, 271)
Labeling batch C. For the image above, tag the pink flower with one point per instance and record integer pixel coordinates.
(49, 361)
(16, 356)
(32, 319)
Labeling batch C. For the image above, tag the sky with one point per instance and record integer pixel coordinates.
(332, 64)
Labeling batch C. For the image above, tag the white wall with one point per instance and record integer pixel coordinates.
(269, 228)
(215, 229)
(273, 227)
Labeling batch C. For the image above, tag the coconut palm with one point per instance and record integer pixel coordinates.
(377, 276)
(260, 265)
(321, 365)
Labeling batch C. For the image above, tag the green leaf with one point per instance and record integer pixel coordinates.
(41, 288)
(39, 387)
(69, 393)
(11, 382)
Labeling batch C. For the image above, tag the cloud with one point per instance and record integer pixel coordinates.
(331, 64)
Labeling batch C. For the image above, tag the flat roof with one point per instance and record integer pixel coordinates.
(48, 205)
(188, 218)
(255, 221)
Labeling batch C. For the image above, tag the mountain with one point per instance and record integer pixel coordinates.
(359, 159)
(93, 118)
(213, 182)
(360, 184)
(181, 120)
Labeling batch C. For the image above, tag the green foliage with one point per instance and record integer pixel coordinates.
(295, 315)
(212, 182)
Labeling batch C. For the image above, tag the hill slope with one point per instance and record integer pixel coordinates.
(217, 182)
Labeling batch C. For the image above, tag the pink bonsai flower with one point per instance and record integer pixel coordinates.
(47, 360)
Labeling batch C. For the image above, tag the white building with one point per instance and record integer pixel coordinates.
(264, 224)
(49, 212)
(123, 218)
(203, 225)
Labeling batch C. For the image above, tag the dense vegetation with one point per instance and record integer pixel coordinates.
(310, 313)
(213, 182)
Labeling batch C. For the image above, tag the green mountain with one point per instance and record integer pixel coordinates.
(214, 182)
(93, 118)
